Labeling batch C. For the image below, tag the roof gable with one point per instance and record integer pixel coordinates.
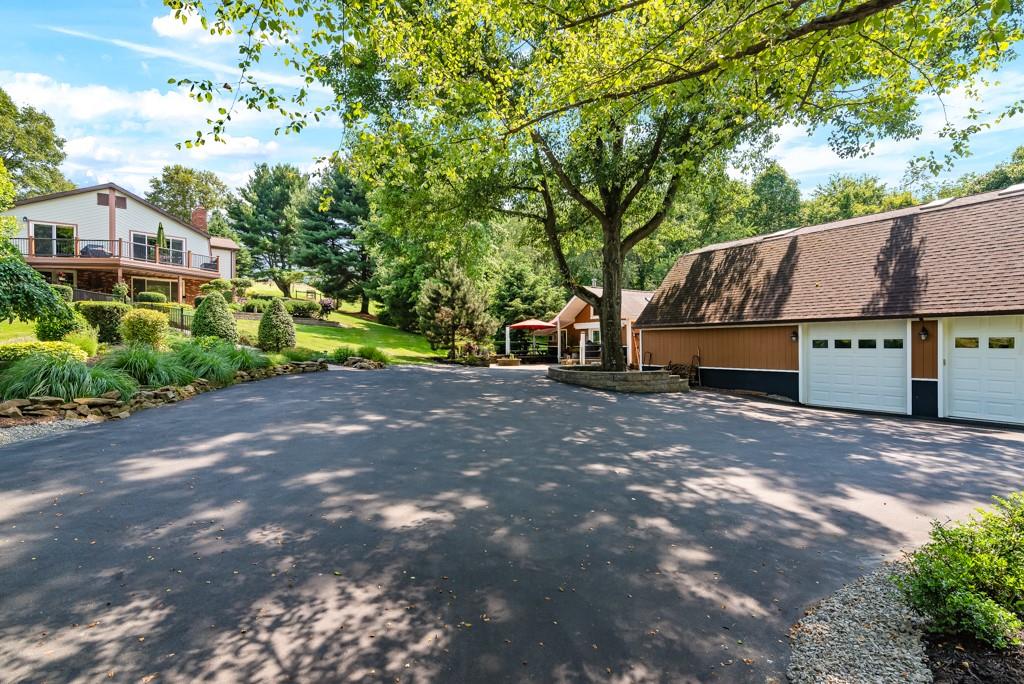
(964, 257)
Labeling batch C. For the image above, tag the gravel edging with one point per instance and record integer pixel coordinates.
(864, 632)
(20, 433)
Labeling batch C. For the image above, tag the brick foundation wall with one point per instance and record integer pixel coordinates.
(191, 290)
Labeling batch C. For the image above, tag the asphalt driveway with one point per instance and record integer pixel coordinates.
(457, 525)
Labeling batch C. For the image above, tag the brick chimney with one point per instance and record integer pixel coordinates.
(199, 218)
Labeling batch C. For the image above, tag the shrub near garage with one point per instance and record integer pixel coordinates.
(9, 353)
(106, 317)
(214, 319)
(970, 577)
(145, 326)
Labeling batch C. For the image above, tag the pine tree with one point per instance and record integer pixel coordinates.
(451, 307)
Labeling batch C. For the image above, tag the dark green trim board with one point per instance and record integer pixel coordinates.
(782, 383)
(925, 398)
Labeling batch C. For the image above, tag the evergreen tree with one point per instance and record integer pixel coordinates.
(328, 240)
(214, 319)
(521, 292)
(450, 307)
(265, 217)
(277, 330)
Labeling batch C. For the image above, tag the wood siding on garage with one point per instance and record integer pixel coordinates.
(762, 347)
(924, 356)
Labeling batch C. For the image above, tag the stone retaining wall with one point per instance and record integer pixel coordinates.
(110, 405)
(625, 381)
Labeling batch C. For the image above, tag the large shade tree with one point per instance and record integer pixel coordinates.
(180, 189)
(31, 149)
(591, 118)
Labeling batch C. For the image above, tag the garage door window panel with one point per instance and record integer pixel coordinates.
(966, 343)
(1000, 342)
(867, 344)
(893, 343)
(819, 344)
(843, 344)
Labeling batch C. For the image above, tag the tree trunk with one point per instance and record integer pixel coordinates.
(284, 286)
(610, 312)
(364, 306)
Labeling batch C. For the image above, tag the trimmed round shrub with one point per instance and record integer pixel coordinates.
(197, 300)
(106, 317)
(220, 285)
(213, 319)
(144, 326)
(57, 327)
(303, 308)
(65, 292)
(65, 377)
(276, 330)
(15, 351)
(148, 366)
(151, 297)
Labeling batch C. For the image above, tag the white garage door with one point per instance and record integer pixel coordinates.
(986, 368)
(857, 365)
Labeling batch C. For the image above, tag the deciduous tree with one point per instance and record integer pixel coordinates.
(180, 189)
(31, 149)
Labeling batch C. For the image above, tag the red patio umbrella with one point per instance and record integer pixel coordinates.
(532, 324)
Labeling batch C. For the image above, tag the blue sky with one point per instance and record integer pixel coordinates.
(101, 69)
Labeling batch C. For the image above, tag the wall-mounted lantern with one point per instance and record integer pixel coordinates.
(923, 334)
(793, 336)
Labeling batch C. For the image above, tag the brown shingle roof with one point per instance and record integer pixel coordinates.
(963, 257)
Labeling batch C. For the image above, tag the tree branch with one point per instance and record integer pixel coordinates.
(838, 19)
(563, 177)
(653, 223)
(645, 175)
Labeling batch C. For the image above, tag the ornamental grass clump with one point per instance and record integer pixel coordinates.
(67, 378)
(276, 330)
(149, 366)
(211, 364)
(969, 579)
(87, 340)
(213, 319)
(245, 358)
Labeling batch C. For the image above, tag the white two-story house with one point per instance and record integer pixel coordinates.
(91, 238)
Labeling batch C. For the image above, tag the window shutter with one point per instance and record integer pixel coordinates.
(121, 202)
(102, 199)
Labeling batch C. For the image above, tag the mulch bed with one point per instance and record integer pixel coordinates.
(968, 661)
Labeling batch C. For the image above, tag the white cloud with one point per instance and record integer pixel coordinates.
(191, 30)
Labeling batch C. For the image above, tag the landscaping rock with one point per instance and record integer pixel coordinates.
(112, 394)
(14, 403)
(864, 632)
(46, 401)
(359, 363)
(40, 412)
(10, 411)
(96, 401)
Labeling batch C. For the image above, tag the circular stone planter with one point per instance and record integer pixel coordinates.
(619, 381)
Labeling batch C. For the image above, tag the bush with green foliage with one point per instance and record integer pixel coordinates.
(341, 354)
(15, 351)
(213, 319)
(969, 579)
(220, 285)
(197, 300)
(145, 326)
(120, 291)
(23, 292)
(301, 354)
(151, 297)
(276, 330)
(256, 305)
(244, 358)
(65, 292)
(240, 285)
(57, 326)
(87, 340)
(65, 377)
(148, 366)
(105, 317)
(344, 352)
(209, 362)
(303, 308)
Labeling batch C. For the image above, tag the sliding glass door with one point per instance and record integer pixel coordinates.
(53, 239)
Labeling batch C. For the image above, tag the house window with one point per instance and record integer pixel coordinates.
(819, 344)
(1000, 343)
(843, 344)
(894, 343)
(53, 239)
(169, 288)
(144, 249)
(966, 343)
(103, 199)
(594, 336)
(867, 344)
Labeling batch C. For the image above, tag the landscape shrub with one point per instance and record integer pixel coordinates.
(213, 319)
(256, 305)
(327, 306)
(120, 291)
(207, 362)
(148, 366)
(87, 340)
(373, 354)
(969, 579)
(145, 326)
(65, 292)
(301, 354)
(66, 377)
(197, 300)
(240, 285)
(303, 308)
(105, 317)
(342, 353)
(244, 358)
(59, 324)
(151, 297)
(220, 285)
(276, 330)
(15, 351)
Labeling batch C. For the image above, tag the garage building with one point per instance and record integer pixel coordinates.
(917, 311)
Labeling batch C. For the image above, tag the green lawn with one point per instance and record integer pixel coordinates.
(17, 331)
(401, 346)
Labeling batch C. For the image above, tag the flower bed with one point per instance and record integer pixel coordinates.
(111, 406)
